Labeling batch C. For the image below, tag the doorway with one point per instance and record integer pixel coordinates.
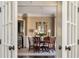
(21, 33)
(39, 25)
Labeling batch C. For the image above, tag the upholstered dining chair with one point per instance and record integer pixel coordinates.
(52, 42)
(36, 41)
(47, 42)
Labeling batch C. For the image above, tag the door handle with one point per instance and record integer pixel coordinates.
(67, 48)
(0, 41)
(78, 41)
(0, 9)
(11, 47)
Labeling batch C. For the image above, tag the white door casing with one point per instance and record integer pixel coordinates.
(69, 29)
(8, 29)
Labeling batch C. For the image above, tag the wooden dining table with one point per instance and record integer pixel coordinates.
(42, 44)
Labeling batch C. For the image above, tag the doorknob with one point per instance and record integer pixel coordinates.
(60, 47)
(68, 48)
(11, 47)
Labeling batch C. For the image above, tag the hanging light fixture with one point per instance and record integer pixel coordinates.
(42, 26)
(41, 31)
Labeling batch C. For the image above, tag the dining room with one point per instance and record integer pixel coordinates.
(36, 29)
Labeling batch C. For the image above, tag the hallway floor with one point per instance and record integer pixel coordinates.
(24, 53)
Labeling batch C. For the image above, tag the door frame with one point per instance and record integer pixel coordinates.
(14, 14)
(64, 26)
(57, 23)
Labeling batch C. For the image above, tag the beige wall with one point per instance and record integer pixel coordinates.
(31, 23)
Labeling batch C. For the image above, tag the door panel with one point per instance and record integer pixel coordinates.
(69, 33)
(0, 31)
(9, 29)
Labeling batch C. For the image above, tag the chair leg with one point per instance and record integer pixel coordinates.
(29, 48)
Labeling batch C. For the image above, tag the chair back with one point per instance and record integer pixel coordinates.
(36, 39)
(30, 39)
(52, 40)
(47, 39)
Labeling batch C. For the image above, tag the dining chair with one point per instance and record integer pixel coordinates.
(36, 41)
(52, 42)
(47, 43)
(30, 43)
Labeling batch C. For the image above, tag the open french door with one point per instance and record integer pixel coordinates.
(69, 29)
(8, 29)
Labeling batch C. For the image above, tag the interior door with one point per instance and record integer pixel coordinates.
(1, 47)
(8, 32)
(69, 29)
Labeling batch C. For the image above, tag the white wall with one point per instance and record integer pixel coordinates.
(31, 23)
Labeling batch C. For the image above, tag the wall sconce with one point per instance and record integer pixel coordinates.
(35, 32)
(49, 32)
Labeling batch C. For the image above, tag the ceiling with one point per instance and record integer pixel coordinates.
(41, 8)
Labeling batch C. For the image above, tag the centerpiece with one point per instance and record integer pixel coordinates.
(41, 34)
